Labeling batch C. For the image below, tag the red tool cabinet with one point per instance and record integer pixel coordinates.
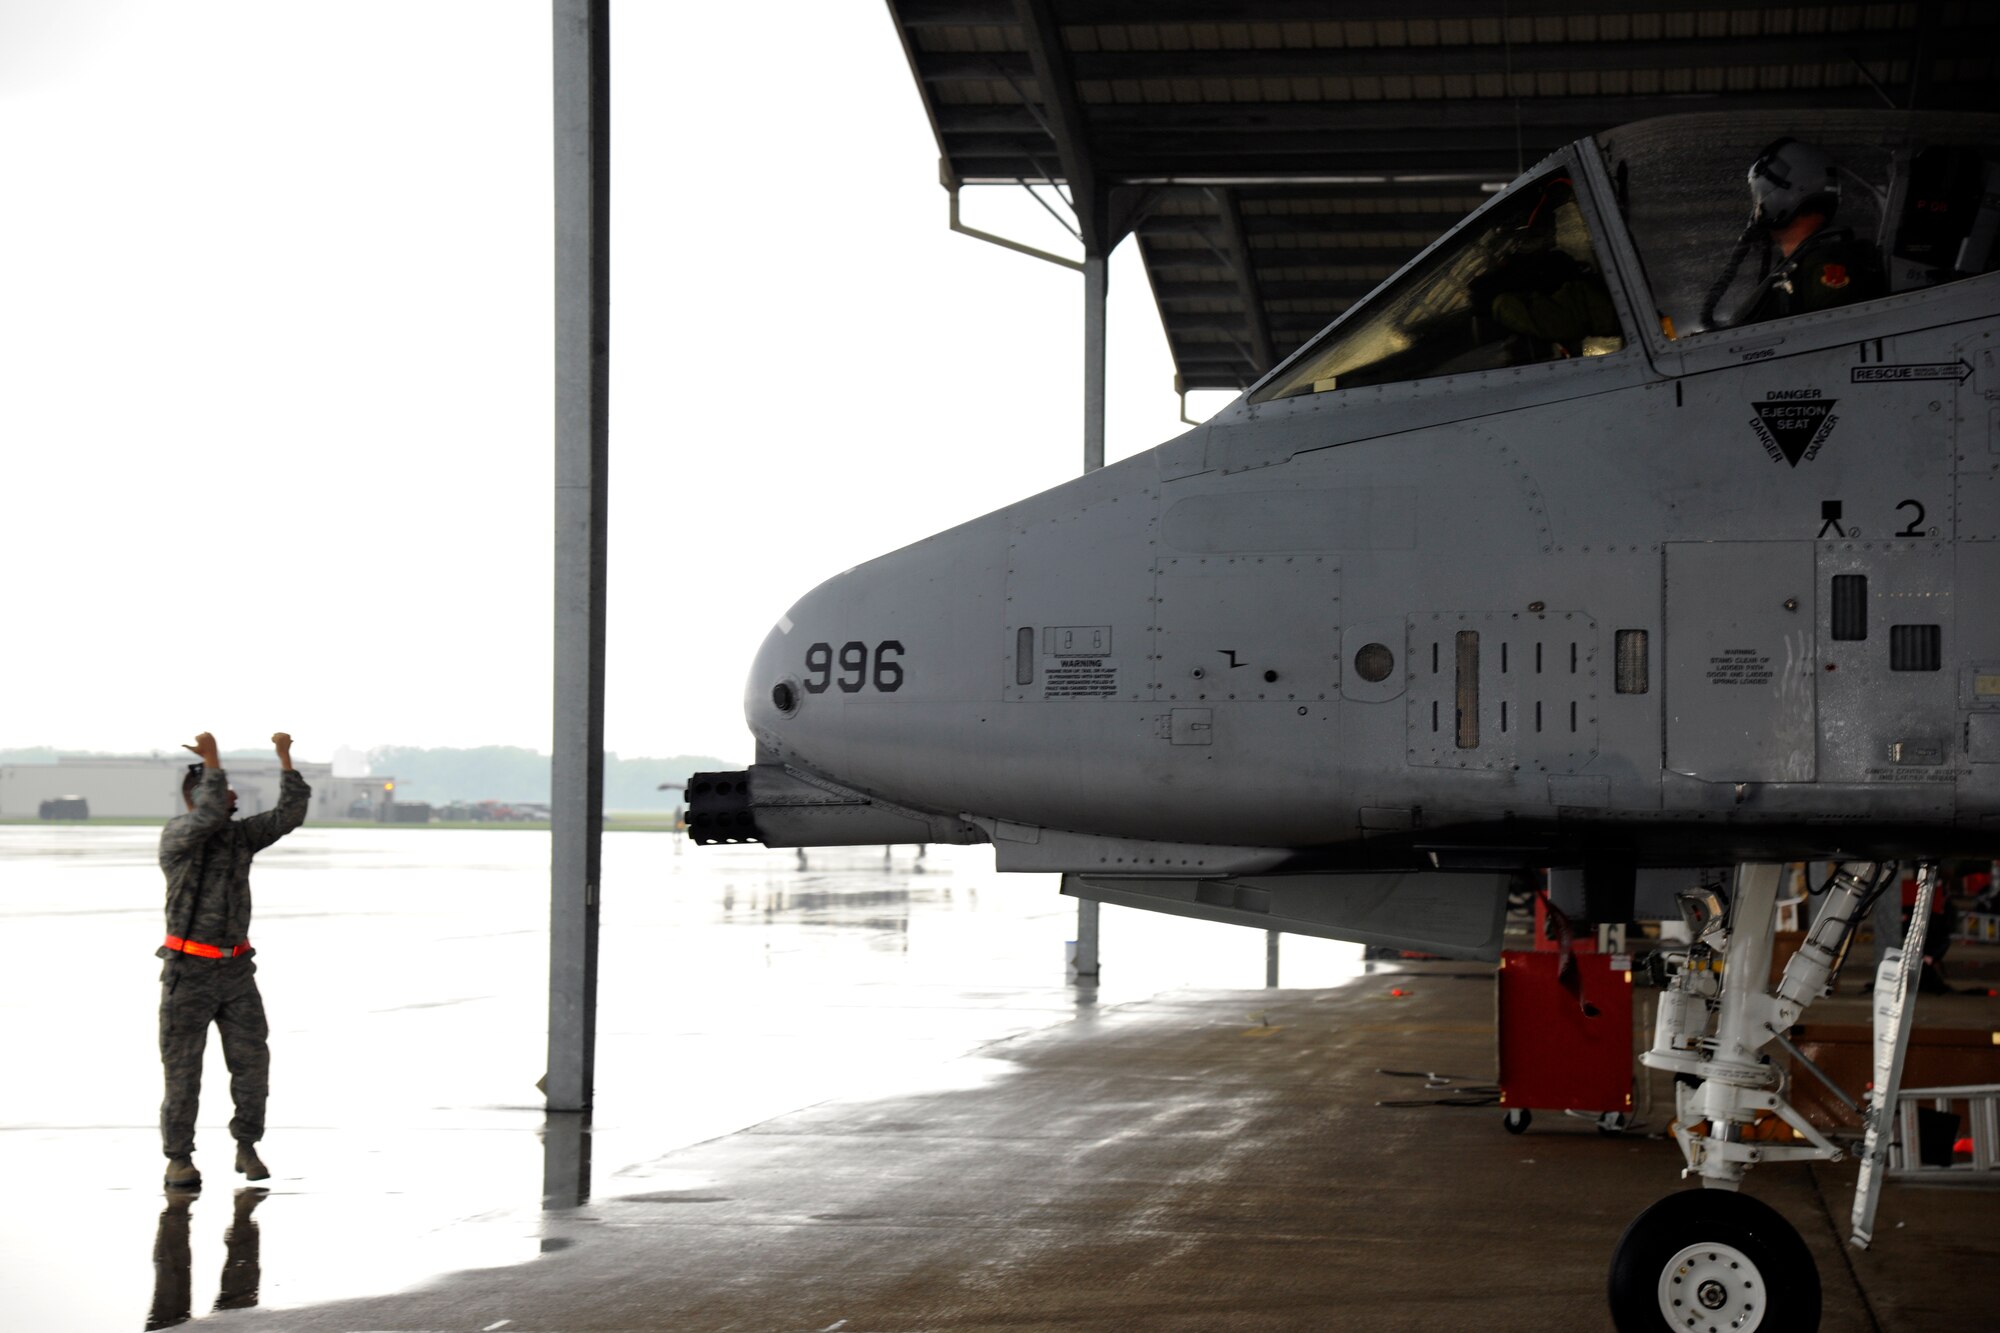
(1562, 1048)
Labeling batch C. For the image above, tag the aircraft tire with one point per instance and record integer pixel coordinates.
(1701, 1246)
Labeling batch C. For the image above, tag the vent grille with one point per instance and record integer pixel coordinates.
(1916, 647)
(1850, 606)
(1632, 676)
(1468, 689)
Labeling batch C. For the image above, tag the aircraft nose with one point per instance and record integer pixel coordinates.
(811, 662)
(866, 670)
(773, 693)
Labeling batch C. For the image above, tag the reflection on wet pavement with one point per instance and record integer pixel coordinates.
(565, 1159)
(173, 1262)
(405, 975)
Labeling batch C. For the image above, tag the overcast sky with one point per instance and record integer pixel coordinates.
(277, 336)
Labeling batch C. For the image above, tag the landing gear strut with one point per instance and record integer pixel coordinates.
(1710, 1260)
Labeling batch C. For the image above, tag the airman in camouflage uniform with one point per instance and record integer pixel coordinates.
(1794, 193)
(1829, 268)
(208, 976)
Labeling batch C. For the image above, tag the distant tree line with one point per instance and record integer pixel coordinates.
(34, 754)
(487, 773)
(510, 773)
(49, 754)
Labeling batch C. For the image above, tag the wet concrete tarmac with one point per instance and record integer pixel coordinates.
(405, 973)
(854, 1098)
(1205, 1160)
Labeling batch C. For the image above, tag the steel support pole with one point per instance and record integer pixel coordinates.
(1084, 962)
(1271, 938)
(566, 1160)
(1096, 284)
(582, 365)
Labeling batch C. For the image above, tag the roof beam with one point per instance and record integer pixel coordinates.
(1381, 258)
(1331, 198)
(991, 166)
(1877, 46)
(1237, 246)
(1056, 82)
(1138, 154)
(954, 13)
(1297, 328)
(911, 54)
(1425, 223)
(1028, 144)
(1156, 13)
(1331, 289)
(1436, 115)
(1248, 158)
(1386, 258)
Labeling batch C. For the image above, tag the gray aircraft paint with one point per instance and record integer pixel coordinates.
(1189, 703)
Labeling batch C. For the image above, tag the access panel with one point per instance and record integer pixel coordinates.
(1246, 628)
(1740, 664)
(1504, 690)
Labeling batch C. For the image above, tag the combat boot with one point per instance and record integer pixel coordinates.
(249, 1163)
(181, 1174)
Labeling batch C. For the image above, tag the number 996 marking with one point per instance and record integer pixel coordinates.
(851, 667)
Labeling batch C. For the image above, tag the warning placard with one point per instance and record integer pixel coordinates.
(1079, 677)
(1739, 666)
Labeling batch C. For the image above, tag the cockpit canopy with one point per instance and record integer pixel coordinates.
(1519, 284)
(1523, 281)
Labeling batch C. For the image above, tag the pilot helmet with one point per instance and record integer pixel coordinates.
(1789, 178)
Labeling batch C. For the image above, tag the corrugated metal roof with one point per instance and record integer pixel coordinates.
(1277, 159)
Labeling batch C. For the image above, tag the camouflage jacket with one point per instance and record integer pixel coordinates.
(1831, 268)
(206, 857)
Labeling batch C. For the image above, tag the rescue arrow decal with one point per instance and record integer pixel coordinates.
(1935, 370)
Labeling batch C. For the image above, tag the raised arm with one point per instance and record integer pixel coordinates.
(293, 797)
(184, 833)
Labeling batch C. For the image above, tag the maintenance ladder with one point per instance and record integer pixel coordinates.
(1982, 1123)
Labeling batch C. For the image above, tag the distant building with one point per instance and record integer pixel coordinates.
(149, 786)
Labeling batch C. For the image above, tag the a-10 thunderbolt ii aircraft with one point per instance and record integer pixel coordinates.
(1610, 537)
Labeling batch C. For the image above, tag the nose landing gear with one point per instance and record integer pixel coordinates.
(1713, 1260)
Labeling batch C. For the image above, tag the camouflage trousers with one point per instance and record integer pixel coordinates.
(195, 992)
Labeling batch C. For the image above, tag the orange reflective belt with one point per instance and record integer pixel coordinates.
(200, 950)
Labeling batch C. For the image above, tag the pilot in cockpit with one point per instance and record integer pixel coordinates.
(1794, 194)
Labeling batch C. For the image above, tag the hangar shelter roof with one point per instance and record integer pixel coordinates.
(1276, 159)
